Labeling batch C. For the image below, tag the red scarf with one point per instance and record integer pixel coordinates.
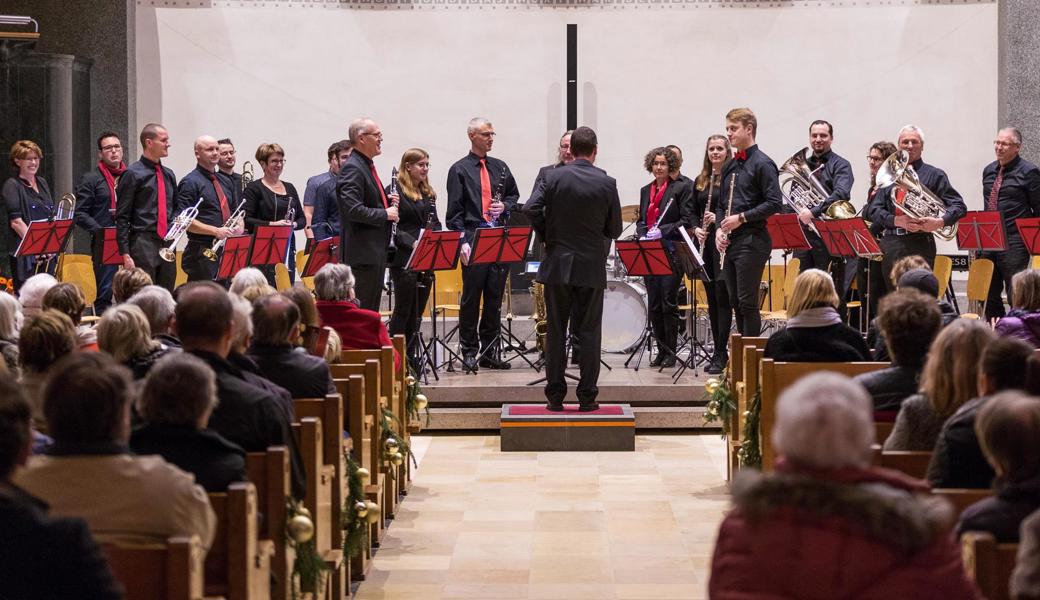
(656, 194)
(110, 174)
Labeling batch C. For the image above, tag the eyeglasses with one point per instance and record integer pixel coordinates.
(487, 134)
(376, 134)
(1000, 144)
(875, 158)
(276, 161)
(111, 147)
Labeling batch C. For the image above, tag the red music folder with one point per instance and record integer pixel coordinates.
(321, 253)
(235, 256)
(644, 257)
(981, 230)
(435, 251)
(500, 245)
(110, 248)
(270, 243)
(44, 237)
(786, 232)
(1029, 229)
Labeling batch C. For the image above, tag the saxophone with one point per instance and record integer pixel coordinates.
(540, 316)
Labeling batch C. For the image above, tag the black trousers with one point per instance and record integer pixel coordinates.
(662, 297)
(144, 249)
(561, 301)
(745, 259)
(368, 285)
(195, 263)
(103, 274)
(818, 257)
(487, 282)
(413, 291)
(1006, 263)
(720, 313)
(898, 246)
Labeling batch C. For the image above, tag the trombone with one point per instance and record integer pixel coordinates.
(65, 210)
(177, 231)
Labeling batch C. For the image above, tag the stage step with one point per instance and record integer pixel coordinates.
(488, 418)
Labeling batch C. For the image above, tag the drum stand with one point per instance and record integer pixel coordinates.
(505, 334)
(646, 343)
(698, 351)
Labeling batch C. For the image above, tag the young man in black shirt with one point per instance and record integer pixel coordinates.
(96, 207)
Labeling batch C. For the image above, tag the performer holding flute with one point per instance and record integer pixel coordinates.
(214, 211)
(706, 202)
(96, 208)
(271, 201)
(752, 190)
(664, 207)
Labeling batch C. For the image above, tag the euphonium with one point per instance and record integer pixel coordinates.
(919, 201)
(247, 174)
(802, 190)
(177, 231)
(235, 221)
(540, 316)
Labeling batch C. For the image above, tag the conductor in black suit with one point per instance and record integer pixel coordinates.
(365, 213)
(577, 212)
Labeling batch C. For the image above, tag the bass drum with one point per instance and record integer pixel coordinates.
(624, 315)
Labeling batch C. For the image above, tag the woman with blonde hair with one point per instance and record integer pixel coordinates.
(815, 331)
(123, 332)
(1023, 321)
(269, 201)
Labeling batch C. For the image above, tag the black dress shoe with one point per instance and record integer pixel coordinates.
(554, 407)
(656, 362)
(469, 363)
(667, 362)
(713, 368)
(495, 364)
(588, 406)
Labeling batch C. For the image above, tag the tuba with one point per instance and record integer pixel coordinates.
(919, 202)
(802, 190)
(177, 231)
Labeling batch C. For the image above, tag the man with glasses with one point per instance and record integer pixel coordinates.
(226, 167)
(1011, 185)
(96, 207)
(337, 155)
(481, 193)
(365, 213)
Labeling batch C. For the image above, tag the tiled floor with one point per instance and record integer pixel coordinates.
(482, 524)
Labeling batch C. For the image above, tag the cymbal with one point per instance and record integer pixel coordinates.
(630, 213)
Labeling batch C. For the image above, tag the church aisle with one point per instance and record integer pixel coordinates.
(482, 524)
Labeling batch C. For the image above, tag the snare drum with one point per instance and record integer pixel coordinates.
(624, 315)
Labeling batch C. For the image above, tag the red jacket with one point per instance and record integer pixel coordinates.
(358, 328)
(862, 535)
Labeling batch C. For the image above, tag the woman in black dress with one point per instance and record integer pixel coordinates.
(708, 183)
(418, 210)
(27, 198)
(269, 201)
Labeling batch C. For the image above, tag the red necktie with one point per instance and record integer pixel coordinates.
(379, 184)
(485, 189)
(741, 155)
(991, 203)
(160, 191)
(220, 195)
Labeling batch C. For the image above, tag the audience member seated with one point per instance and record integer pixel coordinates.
(246, 278)
(178, 397)
(241, 340)
(957, 461)
(908, 321)
(90, 473)
(158, 306)
(1023, 321)
(276, 326)
(255, 292)
(123, 332)
(44, 339)
(68, 299)
(1025, 579)
(310, 321)
(1008, 429)
(10, 324)
(911, 272)
(30, 295)
(40, 557)
(815, 331)
(358, 328)
(827, 525)
(246, 414)
(949, 380)
(127, 282)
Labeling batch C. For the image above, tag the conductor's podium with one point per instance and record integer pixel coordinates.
(531, 427)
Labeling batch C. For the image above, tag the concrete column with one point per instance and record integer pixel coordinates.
(1018, 33)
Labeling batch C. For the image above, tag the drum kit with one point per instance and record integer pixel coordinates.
(624, 301)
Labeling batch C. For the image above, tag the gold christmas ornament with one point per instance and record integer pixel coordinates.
(303, 511)
(421, 401)
(391, 445)
(373, 511)
(409, 380)
(397, 459)
(711, 386)
(361, 509)
(301, 528)
(364, 475)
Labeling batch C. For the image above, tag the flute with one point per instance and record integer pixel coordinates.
(729, 208)
(660, 217)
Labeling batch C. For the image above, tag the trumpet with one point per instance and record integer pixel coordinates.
(290, 216)
(247, 174)
(177, 231)
(234, 222)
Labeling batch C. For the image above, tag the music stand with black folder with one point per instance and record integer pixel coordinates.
(502, 246)
(235, 256)
(320, 253)
(850, 238)
(110, 247)
(435, 251)
(688, 260)
(44, 238)
(643, 258)
(981, 230)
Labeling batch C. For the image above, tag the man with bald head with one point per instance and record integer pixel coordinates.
(216, 193)
(366, 212)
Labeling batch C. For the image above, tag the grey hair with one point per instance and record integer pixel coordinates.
(245, 278)
(124, 333)
(179, 390)
(825, 421)
(357, 127)
(241, 321)
(912, 129)
(32, 292)
(10, 317)
(1015, 133)
(476, 123)
(333, 282)
(158, 306)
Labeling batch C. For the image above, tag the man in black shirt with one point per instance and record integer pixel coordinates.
(96, 207)
(749, 194)
(1011, 185)
(214, 211)
(226, 168)
(904, 235)
(276, 330)
(145, 208)
(481, 193)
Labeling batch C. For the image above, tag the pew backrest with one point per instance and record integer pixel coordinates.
(988, 563)
(170, 571)
(269, 473)
(962, 498)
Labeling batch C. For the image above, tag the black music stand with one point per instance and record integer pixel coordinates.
(44, 239)
(689, 261)
(502, 246)
(110, 248)
(435, 251)
(643, 258)
(320, 253)
(851, 238)
(235, 256)
(981, 230)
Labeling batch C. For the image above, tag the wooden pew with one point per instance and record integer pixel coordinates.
(321, 479)
(737, 372)
(170, 571)
(962, 498)
(269, 472)
(988, 563)
(914, 464)
(778, 376)
(407, 426)
(882, 429)
(359, 423)
(238, 565)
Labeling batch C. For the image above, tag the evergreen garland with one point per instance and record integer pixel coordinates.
(308, 567)
(390, 427)
(721, 404)
(356, 538)
(750, 453)
(412, 402)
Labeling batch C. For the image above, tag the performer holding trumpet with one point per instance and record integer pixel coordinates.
(214, 212)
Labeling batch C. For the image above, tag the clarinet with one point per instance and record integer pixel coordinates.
(497, 197)
(392, 246)
(729, 208)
